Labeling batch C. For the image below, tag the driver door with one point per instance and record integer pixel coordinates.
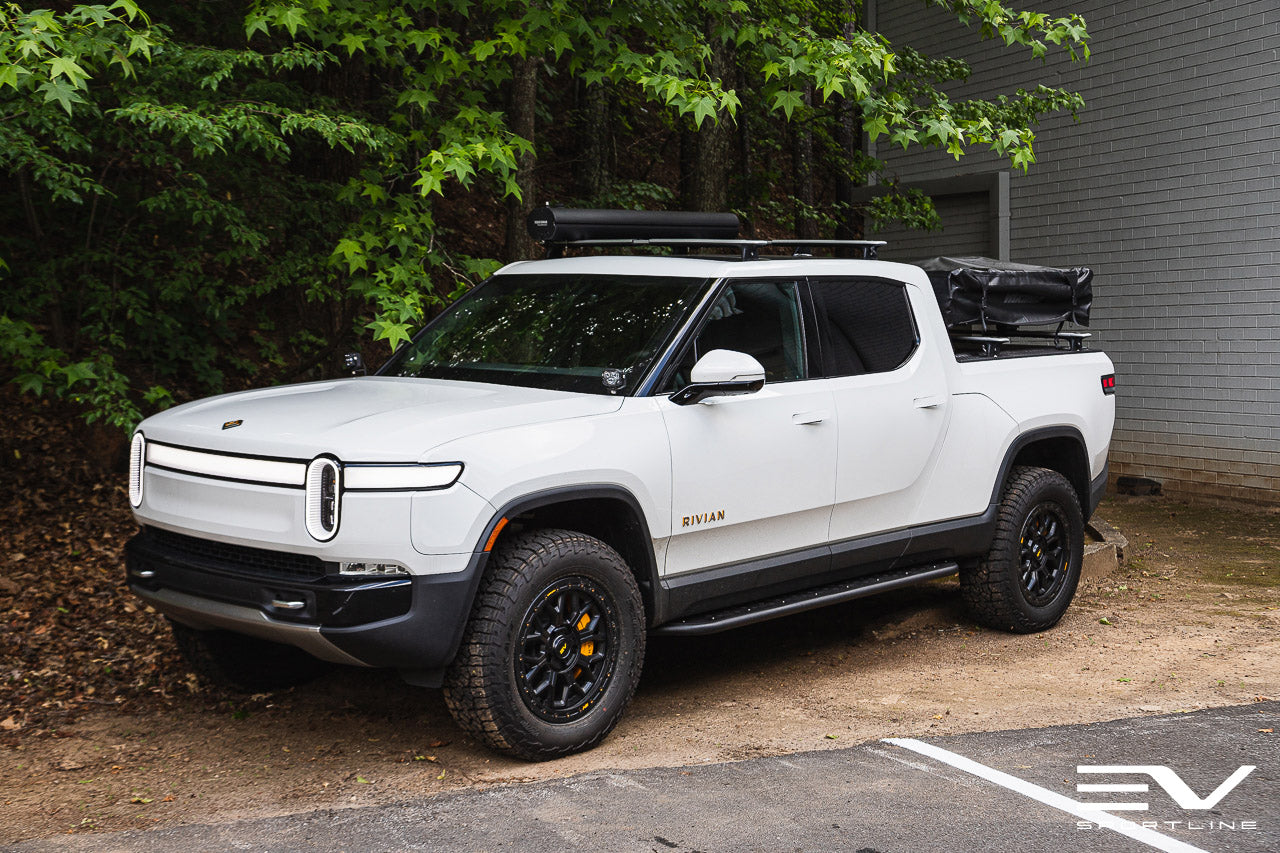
(752, 475)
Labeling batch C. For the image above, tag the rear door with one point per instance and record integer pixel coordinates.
(891, 400)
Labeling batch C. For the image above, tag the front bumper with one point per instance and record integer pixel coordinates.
(413, 623)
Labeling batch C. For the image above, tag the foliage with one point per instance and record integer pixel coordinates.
(200, 200)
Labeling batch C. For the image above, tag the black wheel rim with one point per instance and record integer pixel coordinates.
(566, 650)
(1045, 554)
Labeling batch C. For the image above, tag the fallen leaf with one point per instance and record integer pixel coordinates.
(140, 800)
(832, 737)
(362, 780)
(1267, 731)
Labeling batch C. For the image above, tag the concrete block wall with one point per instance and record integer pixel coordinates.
(1169, 187)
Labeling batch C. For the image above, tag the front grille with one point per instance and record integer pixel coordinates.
(257, 563)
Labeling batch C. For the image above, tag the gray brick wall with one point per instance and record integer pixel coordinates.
(964, 232)
(1169, 187)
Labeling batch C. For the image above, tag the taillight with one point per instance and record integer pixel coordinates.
(137, 459)
(323, 504)
(1109, 384)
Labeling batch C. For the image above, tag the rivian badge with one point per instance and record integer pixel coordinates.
(230, 424)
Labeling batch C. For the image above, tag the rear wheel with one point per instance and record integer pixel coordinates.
(1029, 576)
(553, 649)
(245, 664)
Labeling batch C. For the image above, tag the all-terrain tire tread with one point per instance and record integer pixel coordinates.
(986, 589)
(471, 684)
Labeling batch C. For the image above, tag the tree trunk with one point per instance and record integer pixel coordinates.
(802, 165)
(524, 99)
(746, 193)
(595, 164)
(849, 141)
(706, 184)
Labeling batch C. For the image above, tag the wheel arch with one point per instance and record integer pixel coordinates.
(610, 513)
(1060, 449)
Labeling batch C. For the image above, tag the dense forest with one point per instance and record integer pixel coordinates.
(204, 196)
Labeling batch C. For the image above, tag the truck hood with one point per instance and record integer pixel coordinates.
(364, 419)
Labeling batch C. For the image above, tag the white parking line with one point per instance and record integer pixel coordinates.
(1044, 795)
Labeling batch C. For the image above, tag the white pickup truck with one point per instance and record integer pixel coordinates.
(583, 450)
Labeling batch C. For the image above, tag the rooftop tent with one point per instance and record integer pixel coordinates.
(1002, 293)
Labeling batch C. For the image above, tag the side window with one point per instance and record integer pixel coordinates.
(866, 325)
(760, 318)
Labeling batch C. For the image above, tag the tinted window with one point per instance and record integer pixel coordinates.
(591, 333)
(865, 326)
(760, 318)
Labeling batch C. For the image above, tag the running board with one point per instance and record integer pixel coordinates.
(799, 602)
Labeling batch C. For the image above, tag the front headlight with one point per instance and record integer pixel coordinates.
(327, 479)
(137, 459)
(391, 478)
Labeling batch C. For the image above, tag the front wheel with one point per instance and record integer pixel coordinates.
(553, 649)
(1029, 576)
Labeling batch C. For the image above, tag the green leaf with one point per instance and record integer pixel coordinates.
(62, 66)
(353, 43)
(704, 107)
(11, 74)
(62, 92)
(787, 100)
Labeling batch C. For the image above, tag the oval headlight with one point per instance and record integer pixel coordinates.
(323, 504)
(137, 459)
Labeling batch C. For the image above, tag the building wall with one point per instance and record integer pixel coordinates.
(1169, 188)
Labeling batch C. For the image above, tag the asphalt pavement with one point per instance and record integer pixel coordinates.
(1177, 783)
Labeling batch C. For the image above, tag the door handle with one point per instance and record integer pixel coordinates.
(933, 401)
(804, 418)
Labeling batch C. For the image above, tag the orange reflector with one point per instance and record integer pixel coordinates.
(588, 648)
(493, 537)
(584, 622)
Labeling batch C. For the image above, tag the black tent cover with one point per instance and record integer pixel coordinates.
(1003, 293)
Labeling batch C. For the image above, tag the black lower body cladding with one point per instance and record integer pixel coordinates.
(408, 623)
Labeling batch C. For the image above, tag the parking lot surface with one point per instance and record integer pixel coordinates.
(1011, 790)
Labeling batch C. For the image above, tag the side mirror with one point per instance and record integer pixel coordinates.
(721, 373)
(353, 363)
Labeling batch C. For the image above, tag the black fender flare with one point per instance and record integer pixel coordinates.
(646, 573)
(1083, 487)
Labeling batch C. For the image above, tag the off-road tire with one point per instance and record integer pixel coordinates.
(514, 624)
(244, 664)
(1029, 576)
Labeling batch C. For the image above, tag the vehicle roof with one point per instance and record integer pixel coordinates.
(703, 266)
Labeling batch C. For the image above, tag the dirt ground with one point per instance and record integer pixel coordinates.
(1190, 621)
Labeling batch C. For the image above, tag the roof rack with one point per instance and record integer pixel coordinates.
(560, 228)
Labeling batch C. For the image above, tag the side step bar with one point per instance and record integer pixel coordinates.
(799, 602)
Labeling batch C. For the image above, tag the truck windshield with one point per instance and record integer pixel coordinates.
(596, 334)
